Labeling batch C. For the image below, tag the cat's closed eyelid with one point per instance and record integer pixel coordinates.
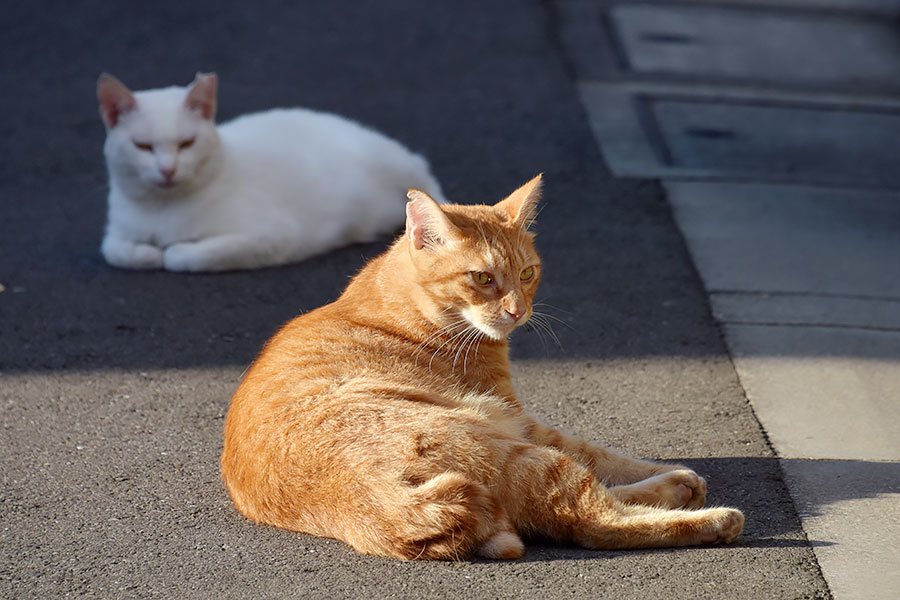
(145, 146)
(186, 143)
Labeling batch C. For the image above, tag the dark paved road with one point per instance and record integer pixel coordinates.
(114, 384)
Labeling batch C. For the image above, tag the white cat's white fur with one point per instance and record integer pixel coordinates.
(264, 189)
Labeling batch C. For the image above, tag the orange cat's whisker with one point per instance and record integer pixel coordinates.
(461, 333)
(477, 344)
(461, 344)
(473, 335)
(437, 334)
(539, 324)
(548, 315)
(557, 319)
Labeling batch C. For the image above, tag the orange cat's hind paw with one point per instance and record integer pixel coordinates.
(504, 545)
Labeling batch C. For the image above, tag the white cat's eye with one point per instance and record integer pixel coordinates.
(482, 278)
(526, 274)
(186, 143)
(144, 146)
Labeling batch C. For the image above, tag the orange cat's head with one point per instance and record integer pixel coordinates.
(476, 265)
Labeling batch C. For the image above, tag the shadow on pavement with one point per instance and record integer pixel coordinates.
(490, 110)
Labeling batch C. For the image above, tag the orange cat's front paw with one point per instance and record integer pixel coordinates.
(681, 488)
(686, 488)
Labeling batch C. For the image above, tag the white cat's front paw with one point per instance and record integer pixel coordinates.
(128, 255)
(184, 256)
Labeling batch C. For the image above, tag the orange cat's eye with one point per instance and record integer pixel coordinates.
(526, 274)
(186, 143)
(144, 146)
(482, 278)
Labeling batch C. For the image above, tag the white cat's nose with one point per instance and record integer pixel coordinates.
(167, 172)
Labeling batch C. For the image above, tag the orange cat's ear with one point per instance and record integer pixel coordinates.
(114, 99)
(521, 205)
(426, 223)
(202, 95)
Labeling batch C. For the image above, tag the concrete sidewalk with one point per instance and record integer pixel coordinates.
(114, 384)
(775, 130)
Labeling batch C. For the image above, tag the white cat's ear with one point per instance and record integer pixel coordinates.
(426, 223)
(522, 204)
(201, 96)
(115, 99)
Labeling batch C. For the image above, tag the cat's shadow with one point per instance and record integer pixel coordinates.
(105, 318)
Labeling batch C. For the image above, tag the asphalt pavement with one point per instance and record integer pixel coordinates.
(114, 384)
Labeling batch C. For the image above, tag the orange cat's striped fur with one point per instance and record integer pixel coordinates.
(387, 419)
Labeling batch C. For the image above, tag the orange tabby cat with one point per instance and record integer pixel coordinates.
(387, 419)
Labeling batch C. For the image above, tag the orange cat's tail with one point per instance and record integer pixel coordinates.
(447, 517)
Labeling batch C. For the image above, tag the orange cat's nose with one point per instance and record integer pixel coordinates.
(515, 314)
(514, 305)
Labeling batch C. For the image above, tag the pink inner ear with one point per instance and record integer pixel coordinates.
(414, 226)
(417, 238)
(202, 96)
(205, 108)
(425, 221)
(115, 99)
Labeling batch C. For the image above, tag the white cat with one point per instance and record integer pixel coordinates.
(265, 189)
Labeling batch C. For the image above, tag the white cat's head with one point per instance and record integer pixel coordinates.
(160, 140)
